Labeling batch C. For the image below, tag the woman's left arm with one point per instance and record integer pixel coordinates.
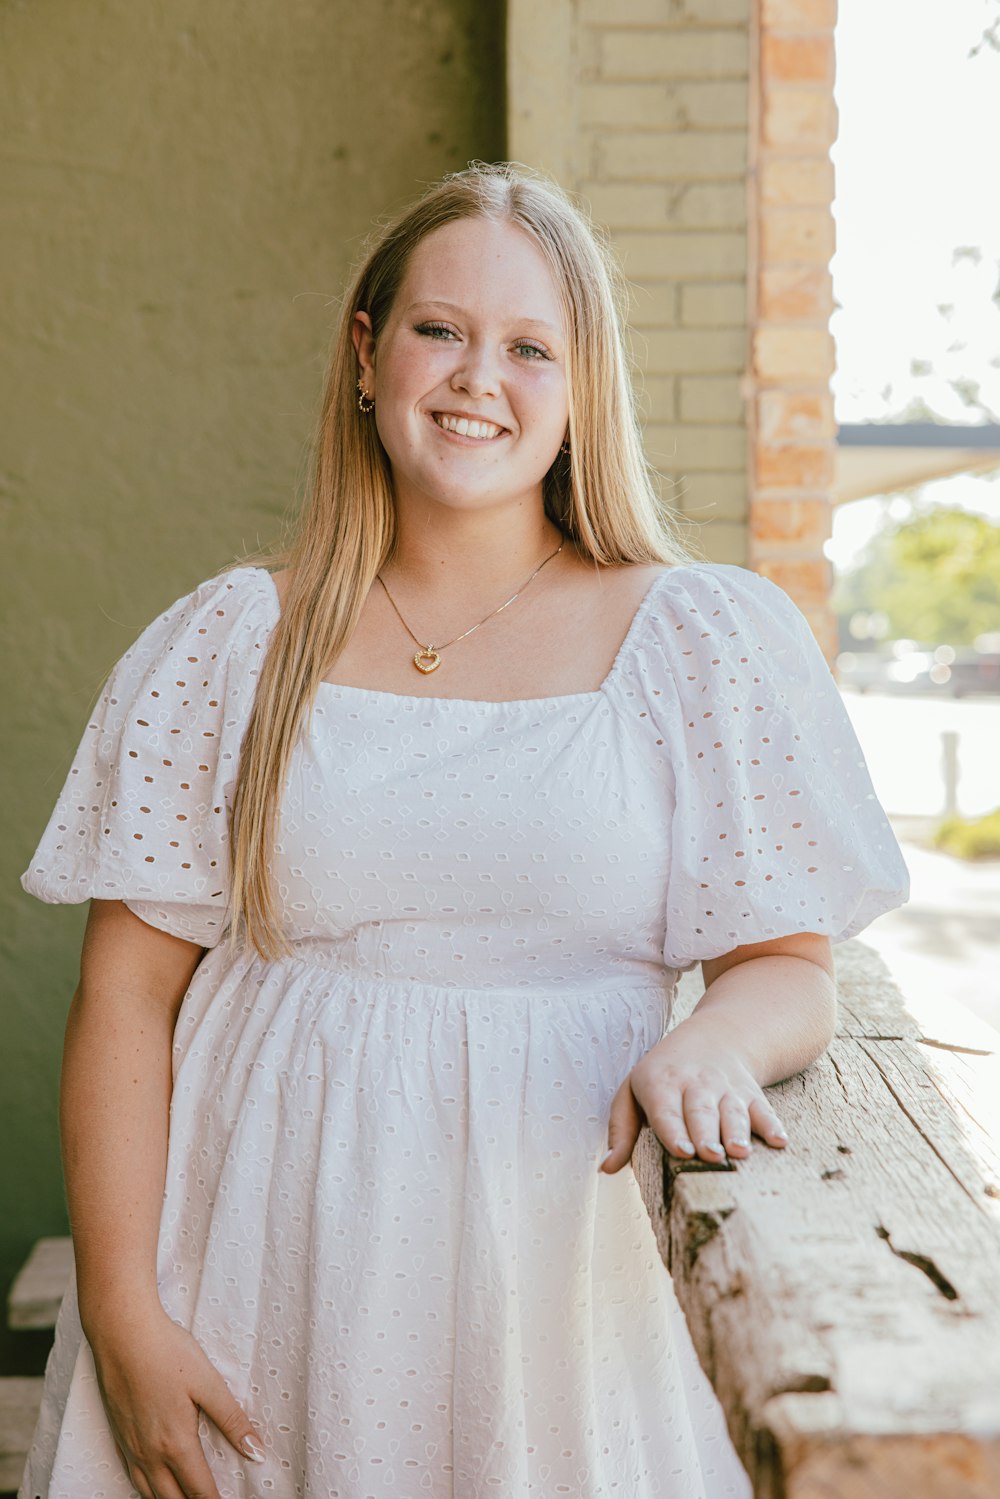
(768, 1010)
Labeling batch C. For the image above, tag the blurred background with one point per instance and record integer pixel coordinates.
(804, 205)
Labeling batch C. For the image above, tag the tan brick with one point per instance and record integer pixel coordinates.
(711, 398)
(680, 54)
(797, 59)
(627, 205)
(680, 256)
(792, 353)
(719, 305)
(796, 180)
(718, 105)
(710, 205)
(686, 449)
(793, 294)
(722, 541)
(657, 398)
(798, 15)
(665, 12)
(806, 580)
(715, 496)
(653, 304)
(799, 119)
(795, 467)
(712, 351)
(805, 523)
(701, 156)
(794, 416)
(797, 236)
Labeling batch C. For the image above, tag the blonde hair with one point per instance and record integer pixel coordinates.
(602, 496)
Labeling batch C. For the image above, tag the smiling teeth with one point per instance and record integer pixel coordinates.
(465, 428)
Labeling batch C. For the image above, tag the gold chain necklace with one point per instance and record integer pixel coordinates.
(428, 658)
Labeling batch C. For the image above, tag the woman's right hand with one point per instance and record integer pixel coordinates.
(154, 1380)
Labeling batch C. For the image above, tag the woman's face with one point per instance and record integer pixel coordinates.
(476, 335)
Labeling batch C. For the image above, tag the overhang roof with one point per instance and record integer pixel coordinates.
(881, 457)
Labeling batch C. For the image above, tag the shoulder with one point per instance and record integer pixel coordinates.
(722, 601)
(218, 629)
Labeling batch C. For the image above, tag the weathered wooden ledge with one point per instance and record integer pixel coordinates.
(844, 1294)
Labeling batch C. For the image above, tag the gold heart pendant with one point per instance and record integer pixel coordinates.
(428, 660)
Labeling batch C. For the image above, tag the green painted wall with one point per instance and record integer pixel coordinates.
(182, 190)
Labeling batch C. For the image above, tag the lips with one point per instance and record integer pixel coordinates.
(476, 428)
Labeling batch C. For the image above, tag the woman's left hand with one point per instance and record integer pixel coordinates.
(699, 1098)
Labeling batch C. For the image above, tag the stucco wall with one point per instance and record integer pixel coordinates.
(183, 188)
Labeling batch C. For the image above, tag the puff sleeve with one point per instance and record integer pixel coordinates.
(143, 814)
(776, 827)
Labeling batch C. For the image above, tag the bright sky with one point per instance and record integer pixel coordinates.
(917, 181)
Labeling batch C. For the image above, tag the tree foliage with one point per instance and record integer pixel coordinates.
(936, 577)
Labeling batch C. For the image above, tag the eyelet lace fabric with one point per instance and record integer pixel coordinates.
(382, 1217)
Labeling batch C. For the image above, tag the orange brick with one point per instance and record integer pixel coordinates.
(796, 467)
(806, 580)
(799, 119)
(797, 59)
(782, 354)
(794, 416)
(789, 294)
(799, 15)
(806, 522)
(796, 181)
(797, 236)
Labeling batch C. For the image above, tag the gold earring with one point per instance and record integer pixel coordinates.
(366, 402)
(565, 448)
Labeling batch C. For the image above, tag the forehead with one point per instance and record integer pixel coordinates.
(491, 268)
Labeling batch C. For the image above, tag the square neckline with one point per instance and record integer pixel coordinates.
(642, 609)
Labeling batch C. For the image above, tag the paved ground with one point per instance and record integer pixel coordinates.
(945, 944)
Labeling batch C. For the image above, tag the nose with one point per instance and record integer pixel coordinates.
(477, 371)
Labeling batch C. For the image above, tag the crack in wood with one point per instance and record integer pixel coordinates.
(969, 1051)
(920, 1262)
(701, 1229)
(840, 1076)
(803, 1384)
(920, 1131)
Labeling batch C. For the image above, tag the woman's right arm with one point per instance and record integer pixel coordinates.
(114, 1111)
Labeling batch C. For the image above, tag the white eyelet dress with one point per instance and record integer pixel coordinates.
(383, 1220)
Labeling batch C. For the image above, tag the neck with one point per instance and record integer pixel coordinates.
(476, 554)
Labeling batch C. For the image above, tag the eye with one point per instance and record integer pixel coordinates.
(432, 330)
(530, 351)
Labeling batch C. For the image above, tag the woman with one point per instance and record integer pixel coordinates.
(497, 762)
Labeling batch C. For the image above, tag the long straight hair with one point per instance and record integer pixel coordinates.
(602, 496)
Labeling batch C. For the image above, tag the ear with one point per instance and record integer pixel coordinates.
(364, 347)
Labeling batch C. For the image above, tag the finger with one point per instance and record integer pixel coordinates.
(701, 1114)
(624, 1123)
(216, 1400)
(666, 1120)
(734, 1123)
(766, 1123)
(165, 1486)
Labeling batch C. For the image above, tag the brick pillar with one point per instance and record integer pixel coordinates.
(792, 430)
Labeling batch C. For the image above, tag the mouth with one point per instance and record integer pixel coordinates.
(474, 429)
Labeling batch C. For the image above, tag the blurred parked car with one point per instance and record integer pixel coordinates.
(910, 666)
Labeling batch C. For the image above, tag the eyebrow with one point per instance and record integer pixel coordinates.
(452, 307)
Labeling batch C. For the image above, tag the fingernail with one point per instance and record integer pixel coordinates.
(685, 1146)
(779, 1133)
(711, 1145)
(740, 1142)
(600, 1164)
(251, 1448)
